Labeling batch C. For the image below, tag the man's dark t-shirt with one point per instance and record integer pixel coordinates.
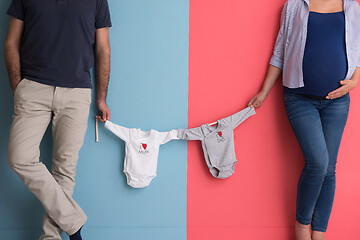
(58, 39)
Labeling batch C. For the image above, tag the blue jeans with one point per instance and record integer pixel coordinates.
(318, 126)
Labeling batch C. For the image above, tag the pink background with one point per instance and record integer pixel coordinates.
(231, 42)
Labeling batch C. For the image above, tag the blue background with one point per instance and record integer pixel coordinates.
(148, 89)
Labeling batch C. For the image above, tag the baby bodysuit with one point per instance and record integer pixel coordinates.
(141, 152)
(218, 142)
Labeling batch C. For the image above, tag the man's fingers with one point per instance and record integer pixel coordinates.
(101, 117)
(107, 115)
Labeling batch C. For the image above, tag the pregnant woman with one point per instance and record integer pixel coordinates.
(318, 53)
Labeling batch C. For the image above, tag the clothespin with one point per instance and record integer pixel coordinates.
(96, 129)
(213, 123)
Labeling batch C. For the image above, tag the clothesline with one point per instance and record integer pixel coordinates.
(97, 128)
(142, 147)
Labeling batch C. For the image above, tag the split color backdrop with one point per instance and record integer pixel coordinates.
(148, 89)
(179, 64)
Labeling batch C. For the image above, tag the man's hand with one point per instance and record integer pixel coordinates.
(14, 85)
(104, 111)
(346, 86)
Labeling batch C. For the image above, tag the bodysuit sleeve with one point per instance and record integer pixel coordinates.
(121, 132)
(191, 134)
(164, 137)
(234, 120)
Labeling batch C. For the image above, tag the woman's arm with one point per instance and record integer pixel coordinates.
(276, 64)
(347, 85)
(271, 77)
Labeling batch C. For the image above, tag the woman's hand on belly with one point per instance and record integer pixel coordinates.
(346, 86)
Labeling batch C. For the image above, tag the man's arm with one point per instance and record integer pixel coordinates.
(12, 51)
(102, 54)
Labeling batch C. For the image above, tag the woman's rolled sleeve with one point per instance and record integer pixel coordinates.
(357, 14)
(277, 58)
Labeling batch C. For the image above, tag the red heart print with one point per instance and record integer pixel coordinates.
(220, 134)
(144, 145)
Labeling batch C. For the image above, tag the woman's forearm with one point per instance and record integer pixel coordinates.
(356, 75)
(272, 75)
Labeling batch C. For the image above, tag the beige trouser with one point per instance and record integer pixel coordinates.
(35, 105)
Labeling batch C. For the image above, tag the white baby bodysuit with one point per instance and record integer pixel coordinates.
(141, 154)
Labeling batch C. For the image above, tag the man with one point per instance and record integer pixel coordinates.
(49, 52)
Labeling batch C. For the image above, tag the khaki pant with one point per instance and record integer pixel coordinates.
(35, 105)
